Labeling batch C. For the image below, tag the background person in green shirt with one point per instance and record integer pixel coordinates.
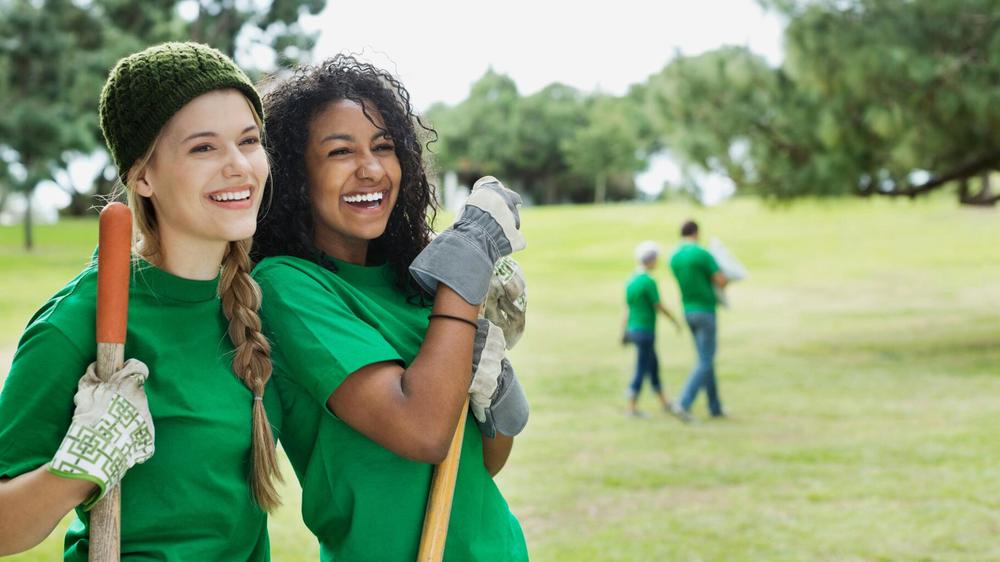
(642, 300)
(183, 125)
(697, 274)
(374, 324)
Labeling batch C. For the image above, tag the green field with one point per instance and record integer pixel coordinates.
(860, 366)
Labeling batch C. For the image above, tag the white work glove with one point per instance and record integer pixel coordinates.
(507, 300)
(463, 256)
(112, 429)
(495, 395)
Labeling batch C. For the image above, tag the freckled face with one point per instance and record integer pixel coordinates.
(208, 171)
(353, 175)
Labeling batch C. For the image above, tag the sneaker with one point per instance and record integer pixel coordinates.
(680, 413)
(638, 414)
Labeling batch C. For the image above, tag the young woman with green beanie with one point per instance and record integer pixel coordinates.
(374, 324)
(191, 445)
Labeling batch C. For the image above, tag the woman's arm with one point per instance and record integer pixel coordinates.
(496, 451)
(625, 326)
(671, 317)
(32, 504)
(413, 411)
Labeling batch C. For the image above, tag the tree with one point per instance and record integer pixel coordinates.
(478, 136)
(42, 50)
(728, 112)
(55, 55)
(912, 86)
(519, 138)
(608, 145)
(875, 97)
(546, 118)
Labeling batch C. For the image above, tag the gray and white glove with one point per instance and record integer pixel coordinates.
(495, 395)
(507, 299)
(463, 256)
(111, 431)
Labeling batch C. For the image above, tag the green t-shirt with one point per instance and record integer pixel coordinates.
(191, 500)
(361, 500)
(693, 267)
(641, 295)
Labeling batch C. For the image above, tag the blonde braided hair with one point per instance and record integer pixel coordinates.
(241, 299)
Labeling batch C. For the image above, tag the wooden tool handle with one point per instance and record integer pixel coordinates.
(114, 255)
(438, 513)
(113, 260)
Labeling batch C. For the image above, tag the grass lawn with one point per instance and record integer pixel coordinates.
(860, 366)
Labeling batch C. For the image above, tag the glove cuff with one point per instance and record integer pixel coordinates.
(508, 412)
(456, 260)
(103, 451)
(88, 503)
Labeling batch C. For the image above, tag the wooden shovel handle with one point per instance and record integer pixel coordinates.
(114, 255)
(439, 500)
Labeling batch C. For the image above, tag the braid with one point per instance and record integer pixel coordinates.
(241, 299)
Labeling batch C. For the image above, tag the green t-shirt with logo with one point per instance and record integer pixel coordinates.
(641, 296)
(362, 501)
(191, 500)
(693, 267)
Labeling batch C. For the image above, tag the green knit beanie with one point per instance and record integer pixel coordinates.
(146, 89)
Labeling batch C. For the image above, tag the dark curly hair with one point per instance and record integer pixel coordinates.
(286, 224)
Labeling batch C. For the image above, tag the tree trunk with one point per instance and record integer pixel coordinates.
(601, 189)
(985, 196)
(28, 241)
(80, 205)
(550, 193)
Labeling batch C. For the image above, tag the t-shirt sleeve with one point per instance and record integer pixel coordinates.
(36, 404)
(653, 292)
(320, 338)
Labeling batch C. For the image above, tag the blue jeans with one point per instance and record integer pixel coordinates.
(702, 326)
(645, 363)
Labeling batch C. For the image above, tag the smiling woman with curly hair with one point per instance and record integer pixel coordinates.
(376, 323)
(287, 226)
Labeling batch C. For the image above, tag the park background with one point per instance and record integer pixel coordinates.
(859, 363)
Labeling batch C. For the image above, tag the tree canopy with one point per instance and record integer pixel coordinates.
(874, 97)
(55, 56)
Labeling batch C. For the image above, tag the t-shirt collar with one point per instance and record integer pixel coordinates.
(164, 284)
(362, 274)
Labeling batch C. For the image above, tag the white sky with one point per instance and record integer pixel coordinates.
(438, 48)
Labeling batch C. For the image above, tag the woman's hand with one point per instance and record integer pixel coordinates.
(507, 300)
(496, 397)
(463, 257)
(111, 431)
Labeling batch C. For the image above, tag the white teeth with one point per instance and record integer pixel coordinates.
(377, 196)
(231, 196)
